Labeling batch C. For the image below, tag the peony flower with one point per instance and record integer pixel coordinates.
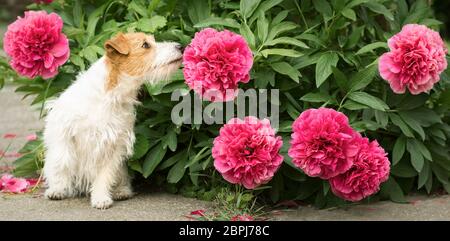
(244, 217)
(415, 61)
(369, 170)
(9, 136)
(215, 62)
(323, 143)
(246, 152)
(31, 137)
(36, 45)
(11, 184)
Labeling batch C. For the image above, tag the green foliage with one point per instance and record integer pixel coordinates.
(318, 53)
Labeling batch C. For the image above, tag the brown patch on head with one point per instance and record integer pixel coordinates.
(130, 54)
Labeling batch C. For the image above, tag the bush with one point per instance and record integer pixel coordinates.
(318, 53)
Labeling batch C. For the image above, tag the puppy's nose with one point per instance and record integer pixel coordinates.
(180, 47)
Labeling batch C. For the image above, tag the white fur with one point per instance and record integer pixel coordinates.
(89, 132)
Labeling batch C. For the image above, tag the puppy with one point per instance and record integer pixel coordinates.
(89, 129)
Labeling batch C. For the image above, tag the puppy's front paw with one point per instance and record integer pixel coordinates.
(122, 194)
(55, 194)
(101, 203)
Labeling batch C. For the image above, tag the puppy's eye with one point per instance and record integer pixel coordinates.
(146, 45)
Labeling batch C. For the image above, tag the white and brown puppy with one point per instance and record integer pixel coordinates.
(89, 129)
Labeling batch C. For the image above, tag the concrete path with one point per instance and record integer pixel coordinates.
(16, 116)
(149, 206)
(162, 206)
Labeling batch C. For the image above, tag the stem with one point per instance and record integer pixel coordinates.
(342, 101)
(301, 14)
(6, 150)
(45, 98)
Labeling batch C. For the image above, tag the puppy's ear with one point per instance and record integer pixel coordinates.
(117, 46)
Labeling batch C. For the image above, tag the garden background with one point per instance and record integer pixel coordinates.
(325, 54)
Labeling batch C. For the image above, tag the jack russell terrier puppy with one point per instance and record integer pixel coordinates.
(89, 129)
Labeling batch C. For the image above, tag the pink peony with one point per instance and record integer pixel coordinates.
(416, 59)
(215, 62)
(8, 183)
(36, 45)
(323, 143)
(369, 170)
(246, 151)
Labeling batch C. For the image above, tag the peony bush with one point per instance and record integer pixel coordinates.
(364, 94)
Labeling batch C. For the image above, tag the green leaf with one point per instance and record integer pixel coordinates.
(247, 7)
(152, 24)
(312, 38)
(227, 22)
(402, 125)
(403, 169)
(138, 8)
(316, 97)
(363, 78)
(264, 7)
(424, 175)
(349, 13)
(263, 27)
(340, 77)
(286, 69)
(411, 122)
(355, 3)
(78, 14)
(369, 100)
(177, 172)
(382, 118)
(198, 10)
(380, 8)
(418, 11)
(141, 147)
(399, 150)
(247, 33)
(324, 66)
(280, 17)
(353, 105)
(78, 61)
(154, 157)
(441, 174)
(416, 156)
(205, 151)
(287, 40)
(170, 140)
(355, 36)
(280, 28)
(322, 6)
(372, 46)
(283, 52)
(393, 190)
(179, 157)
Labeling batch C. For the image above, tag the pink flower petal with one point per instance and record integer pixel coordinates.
(36, 44)
(9, 136)
(416, 59)
(31, 137)
(246, 152)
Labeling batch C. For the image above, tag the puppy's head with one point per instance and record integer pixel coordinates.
(138, 57)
